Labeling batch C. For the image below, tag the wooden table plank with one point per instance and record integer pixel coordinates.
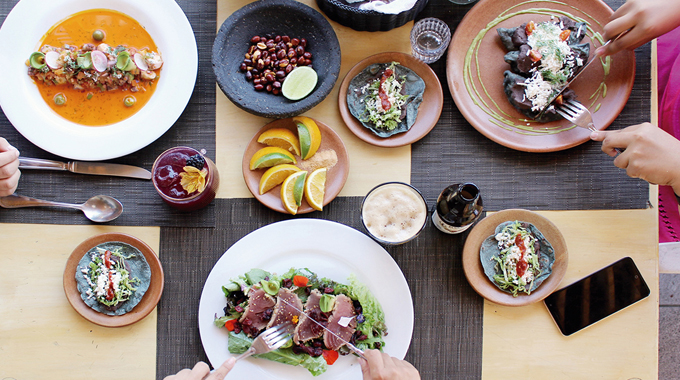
(525, 342)
(41, 336)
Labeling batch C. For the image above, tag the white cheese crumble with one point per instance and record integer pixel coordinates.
(556, 55)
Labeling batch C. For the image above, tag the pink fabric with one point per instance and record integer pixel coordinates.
(668, 59)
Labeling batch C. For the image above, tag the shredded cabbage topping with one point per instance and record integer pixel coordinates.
(391, 87)
(517, 262)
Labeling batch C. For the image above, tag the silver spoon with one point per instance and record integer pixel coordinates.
(100, 208)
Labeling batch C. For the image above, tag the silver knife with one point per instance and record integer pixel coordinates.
(350, 345)
(552, 99)
(96, 168)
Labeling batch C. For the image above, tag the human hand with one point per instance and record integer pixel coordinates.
(381, 366)
(201, 371)
(650, 153)
(9, 168)
(644, 20)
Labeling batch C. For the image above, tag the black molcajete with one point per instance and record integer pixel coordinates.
(271, 18)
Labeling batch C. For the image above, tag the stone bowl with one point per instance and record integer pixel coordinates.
(271, 18)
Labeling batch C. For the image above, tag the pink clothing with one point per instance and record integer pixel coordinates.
(668, 63)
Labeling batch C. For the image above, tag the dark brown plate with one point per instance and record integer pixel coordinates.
(474, 271)
(487, 66)
(428, 112)
(335, 177)
(143, 308)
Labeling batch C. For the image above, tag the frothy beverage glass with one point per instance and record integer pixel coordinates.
(185, 178)
(394, 213)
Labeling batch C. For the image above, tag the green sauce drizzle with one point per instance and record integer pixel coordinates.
(489, 105)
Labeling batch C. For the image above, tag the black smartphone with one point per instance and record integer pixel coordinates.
(597, 296)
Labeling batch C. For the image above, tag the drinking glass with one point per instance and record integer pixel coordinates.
(429, 39)
(393, 213)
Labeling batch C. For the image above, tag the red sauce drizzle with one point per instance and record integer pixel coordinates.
(384, 99)
(107, 261)
(522, 265)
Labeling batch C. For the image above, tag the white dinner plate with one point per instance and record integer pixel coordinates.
(327, 248)
(20, 99)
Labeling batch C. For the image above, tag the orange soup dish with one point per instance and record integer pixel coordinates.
(96, 67)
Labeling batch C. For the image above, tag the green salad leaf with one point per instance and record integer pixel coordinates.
(239, 343)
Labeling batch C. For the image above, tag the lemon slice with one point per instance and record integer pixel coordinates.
(275, 175)
(309, 136)
(270, 156)
(291, 191)
(299, 83)
(281, 137)
(315, 188)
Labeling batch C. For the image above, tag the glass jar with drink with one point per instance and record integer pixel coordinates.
(394, 213)
(185, 178)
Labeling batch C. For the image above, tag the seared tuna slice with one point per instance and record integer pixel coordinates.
(307, 330)
(343, 308)
(257, 313)
(284, 312)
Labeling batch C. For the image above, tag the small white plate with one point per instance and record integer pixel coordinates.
(21, 102)
(327, 248)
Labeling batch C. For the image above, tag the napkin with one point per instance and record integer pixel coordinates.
(387, 6)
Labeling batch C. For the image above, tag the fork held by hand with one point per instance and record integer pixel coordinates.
(578, 114)
(271, 339)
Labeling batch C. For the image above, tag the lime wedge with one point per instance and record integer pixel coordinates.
(299, 83)
(299, 188)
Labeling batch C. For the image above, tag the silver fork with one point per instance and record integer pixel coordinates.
(578, 114)
(271, 339)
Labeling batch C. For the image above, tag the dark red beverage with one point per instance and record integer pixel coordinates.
(174, 164)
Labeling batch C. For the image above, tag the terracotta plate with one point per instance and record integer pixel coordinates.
(474, 271)
(428, 112)
(335, 177)
(143, 308)
(475, 69)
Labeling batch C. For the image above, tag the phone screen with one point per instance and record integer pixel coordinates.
(597, 296)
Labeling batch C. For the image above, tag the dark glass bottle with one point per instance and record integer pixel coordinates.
(458, 207)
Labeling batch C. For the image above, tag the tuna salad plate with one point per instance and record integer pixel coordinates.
(282, 274)
(515, 257)
(507, 61)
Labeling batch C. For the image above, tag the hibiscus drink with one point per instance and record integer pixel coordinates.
(185, 178)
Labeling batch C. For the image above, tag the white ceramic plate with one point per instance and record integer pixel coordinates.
(20, 35)
(327, 248)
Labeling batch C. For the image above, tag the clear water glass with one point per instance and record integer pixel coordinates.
(429, 39)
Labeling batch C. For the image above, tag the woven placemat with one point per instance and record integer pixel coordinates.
(447, 336)
(143, 207)
(582, 177)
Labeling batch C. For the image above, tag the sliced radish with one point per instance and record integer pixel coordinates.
(140, 62)
(52, 60)
(99, 60)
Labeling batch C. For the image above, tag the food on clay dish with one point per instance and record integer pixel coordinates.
(259, 300)
(385, 98)
(517, 258)
(307, 180)
(543, 57)
(96, 59)
(113, 277)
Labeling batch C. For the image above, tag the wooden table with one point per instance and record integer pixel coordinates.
(42, 336)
